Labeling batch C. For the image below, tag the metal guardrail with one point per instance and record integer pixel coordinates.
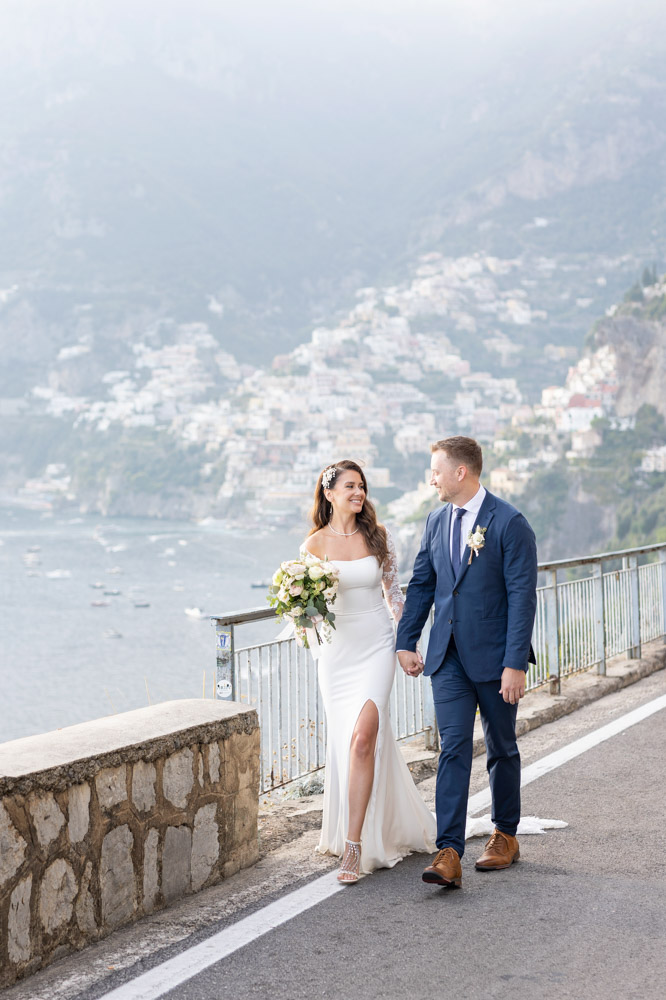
(588, 610)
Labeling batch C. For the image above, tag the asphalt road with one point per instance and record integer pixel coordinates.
(582, 914)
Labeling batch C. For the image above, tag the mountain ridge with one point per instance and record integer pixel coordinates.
(143, 175)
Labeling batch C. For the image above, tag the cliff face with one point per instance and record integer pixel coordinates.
(584, 526)
(639, 344)
(565, 163)
(178, 505)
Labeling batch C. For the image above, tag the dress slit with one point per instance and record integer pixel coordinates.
(368, 701)
(376, 755)
(358, 667)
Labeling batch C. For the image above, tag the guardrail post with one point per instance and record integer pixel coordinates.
(553, 634)
(225, 682)
(429, 717)
(662, 560)
(431, 737)
(599, 616)
(635, 619)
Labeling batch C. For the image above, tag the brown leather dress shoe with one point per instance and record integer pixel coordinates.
(445, 868)
(500, 852)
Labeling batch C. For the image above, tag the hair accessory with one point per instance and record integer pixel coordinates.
(328, 475)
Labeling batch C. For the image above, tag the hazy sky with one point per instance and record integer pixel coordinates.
(32, 24)
(421, 39)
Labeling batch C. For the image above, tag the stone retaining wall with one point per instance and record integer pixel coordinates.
(103, 822)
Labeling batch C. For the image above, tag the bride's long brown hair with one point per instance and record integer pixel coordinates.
(373, 532)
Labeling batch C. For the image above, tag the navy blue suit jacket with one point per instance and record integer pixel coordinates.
(489, 607)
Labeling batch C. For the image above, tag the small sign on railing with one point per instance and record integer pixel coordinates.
(224, 683)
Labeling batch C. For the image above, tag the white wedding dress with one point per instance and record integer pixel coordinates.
(359, 666)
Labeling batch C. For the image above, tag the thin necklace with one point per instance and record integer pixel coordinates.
(347, 534)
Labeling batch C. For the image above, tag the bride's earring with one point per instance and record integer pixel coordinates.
(330, 510)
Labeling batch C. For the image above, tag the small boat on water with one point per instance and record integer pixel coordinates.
(142, 604)
(34, 548)
(58, 574)
(111, 593)
(97, 586)
(196, 613)
(111, 633)
(99, 604)
(260, 584)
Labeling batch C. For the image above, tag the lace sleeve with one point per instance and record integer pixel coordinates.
(390, 581)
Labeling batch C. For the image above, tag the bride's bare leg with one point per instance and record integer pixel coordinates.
(361, 776)
(362, 767)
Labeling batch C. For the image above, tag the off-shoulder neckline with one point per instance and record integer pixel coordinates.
(360, 559)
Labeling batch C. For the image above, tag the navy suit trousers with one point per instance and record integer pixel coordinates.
(456, 697)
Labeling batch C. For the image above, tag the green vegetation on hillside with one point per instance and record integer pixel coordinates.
(611, 474)
(614, 477)
(544, 500)
(139, 461)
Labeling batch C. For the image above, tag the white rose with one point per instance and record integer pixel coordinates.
(316, 572)
(330, 593)
(295, 590)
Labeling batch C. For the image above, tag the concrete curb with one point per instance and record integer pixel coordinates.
(281, 822)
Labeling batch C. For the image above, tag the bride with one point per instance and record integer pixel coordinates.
(373, 814)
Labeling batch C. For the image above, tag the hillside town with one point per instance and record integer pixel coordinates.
(380, 385)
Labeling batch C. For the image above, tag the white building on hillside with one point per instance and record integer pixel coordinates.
(654, 460)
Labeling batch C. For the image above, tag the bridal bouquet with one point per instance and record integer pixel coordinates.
(302, 591)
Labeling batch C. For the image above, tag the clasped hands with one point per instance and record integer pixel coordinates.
(411, 662)
(512, 682)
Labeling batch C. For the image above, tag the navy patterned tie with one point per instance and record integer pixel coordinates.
(455, 545)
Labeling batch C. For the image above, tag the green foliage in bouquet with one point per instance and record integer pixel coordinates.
(303, 590)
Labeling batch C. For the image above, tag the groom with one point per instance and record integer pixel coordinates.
(478, 563)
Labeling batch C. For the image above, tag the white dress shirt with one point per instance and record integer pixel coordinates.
(468, 522)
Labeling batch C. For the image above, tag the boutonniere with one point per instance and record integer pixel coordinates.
(476, 540)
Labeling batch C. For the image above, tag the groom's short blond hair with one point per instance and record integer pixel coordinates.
(461, 449)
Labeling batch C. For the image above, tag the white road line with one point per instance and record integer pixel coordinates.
(165, 977)
(158, 981)
(481, 801)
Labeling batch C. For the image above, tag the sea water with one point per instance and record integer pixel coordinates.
(64, 660)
